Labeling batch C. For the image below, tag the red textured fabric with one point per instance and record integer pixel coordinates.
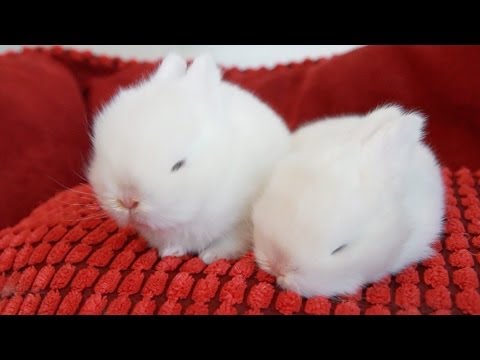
(441, 81)
(48, 98)
(63, 260)
(43, 132)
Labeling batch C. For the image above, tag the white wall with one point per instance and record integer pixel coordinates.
(229, 55)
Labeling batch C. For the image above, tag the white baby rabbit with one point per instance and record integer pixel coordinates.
(357, 198)
(182, 155)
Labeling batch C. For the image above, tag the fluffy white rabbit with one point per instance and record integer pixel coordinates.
(182, 155)
(357, 198)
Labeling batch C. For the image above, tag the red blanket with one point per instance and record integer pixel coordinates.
(63, 259)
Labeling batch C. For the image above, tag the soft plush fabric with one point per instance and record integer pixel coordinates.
(441, 81)
(63, 259)
(48, 99)
(43, 132)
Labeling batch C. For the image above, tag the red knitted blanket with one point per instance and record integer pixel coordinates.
(62, 259)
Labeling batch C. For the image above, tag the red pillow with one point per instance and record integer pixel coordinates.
(63, 259)
(441, 81)
(43, 132)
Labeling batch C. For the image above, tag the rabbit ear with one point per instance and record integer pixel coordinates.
(390, 133)
(173, 66)
(204, 73)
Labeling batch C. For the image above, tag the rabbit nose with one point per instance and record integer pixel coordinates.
(129, 203)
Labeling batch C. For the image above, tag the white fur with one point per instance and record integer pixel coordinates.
(229, 139)
(367, 182)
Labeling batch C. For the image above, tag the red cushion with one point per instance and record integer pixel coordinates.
(63, 259)
(43, 132)
(441, 81)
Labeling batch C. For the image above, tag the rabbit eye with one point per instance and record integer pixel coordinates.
(178, 165)
(339, 249)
